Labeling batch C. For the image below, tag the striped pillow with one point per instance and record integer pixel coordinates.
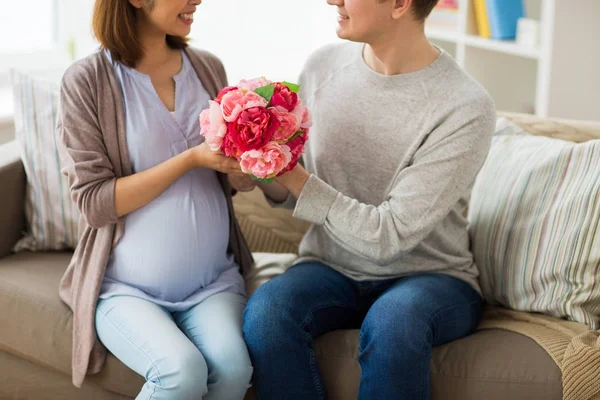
(51, 215)
(535, 225)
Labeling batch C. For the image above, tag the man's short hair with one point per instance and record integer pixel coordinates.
(422, 8)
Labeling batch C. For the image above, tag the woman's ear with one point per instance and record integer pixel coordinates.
(136, 3)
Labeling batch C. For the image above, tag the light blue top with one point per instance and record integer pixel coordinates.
(174, 250)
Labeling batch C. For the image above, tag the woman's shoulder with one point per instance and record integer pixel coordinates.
(203, 55)
(85, 71)
(207, 59)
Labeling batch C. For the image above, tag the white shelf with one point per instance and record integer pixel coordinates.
(502, 46)
(442, 34)
(555, 79)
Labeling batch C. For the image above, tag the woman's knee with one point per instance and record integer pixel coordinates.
(184, 374)
(233, 377)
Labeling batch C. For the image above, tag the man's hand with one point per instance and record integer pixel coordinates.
(294, 180)
(242, 183)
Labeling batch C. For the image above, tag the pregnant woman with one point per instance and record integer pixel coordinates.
(157, 275)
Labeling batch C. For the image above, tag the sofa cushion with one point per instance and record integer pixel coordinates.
(491, 365)
(265, 228)
(535, 224)
(24, 380)
(52, 216)
(37, 326)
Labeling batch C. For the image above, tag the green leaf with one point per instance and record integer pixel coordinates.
(292, 86)
(268, 180)
(265, 91)
(300, 132)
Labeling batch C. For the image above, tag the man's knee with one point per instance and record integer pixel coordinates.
(390, 324)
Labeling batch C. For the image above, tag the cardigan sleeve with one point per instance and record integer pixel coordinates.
(83, 150)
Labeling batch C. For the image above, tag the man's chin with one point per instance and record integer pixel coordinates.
(344, 35)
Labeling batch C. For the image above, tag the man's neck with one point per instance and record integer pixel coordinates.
(405, 52)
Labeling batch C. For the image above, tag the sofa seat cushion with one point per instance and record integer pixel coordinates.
(37, 326)
(490, 364)
(494, 364)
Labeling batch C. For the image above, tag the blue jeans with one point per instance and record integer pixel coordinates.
(193, 354)
(400, 321)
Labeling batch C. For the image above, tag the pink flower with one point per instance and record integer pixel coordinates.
(229, 148)
(303, 114)
(223, 92)
(284, 97)
(234, 102)
(212, 125)
(267, 162)
(253, 128)
(252, 84)
(289, 124)
(296, 148)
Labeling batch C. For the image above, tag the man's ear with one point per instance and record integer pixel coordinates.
(401, 7)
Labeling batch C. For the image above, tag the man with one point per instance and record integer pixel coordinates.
(399, 134)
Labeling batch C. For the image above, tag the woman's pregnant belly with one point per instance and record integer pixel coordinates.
(176, 244)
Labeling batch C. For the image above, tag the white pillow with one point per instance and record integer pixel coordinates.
(52, 217)
(535, 225)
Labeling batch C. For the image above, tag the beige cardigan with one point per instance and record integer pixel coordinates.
(93, 149)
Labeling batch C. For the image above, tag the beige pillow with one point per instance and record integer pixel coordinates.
(52, 217)
(535, 225)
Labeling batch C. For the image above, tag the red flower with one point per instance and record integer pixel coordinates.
(284, 97)
(296, 148)
(253, 128)
(228, 147)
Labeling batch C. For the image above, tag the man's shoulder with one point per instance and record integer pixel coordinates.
(332, 54)
(456, 87)
(325, 61)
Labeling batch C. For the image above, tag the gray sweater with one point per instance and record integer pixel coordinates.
(393, 161)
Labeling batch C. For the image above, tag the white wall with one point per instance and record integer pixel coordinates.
(252, 37)
(574, 81)
(270, 38)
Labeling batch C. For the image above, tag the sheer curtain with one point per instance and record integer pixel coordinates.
(270, 38)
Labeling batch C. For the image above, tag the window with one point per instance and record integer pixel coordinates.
(32, 27)
(40, 35)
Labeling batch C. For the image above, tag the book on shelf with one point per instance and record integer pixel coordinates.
(447, 4)
(481, 17)
(502, 17)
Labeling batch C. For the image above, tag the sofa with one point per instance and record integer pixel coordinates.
(35, 326)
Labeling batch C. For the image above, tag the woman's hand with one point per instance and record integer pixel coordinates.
(203, 156)
(242, 183)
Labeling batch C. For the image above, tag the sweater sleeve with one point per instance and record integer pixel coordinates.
(83, 152)
(442, 170)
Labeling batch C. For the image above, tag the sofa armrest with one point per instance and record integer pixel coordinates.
(12, 197)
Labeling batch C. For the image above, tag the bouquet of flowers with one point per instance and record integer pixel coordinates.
(262, 124)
